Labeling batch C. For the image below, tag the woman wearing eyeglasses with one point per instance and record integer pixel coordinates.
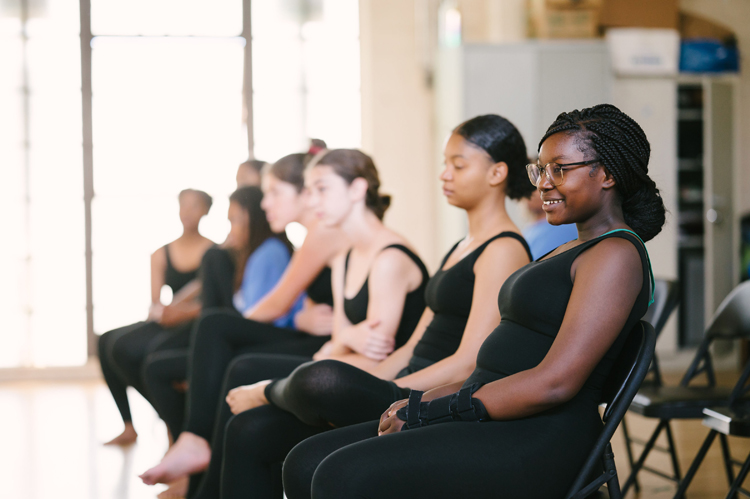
(524, 421)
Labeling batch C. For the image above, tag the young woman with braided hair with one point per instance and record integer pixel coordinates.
(530, 406)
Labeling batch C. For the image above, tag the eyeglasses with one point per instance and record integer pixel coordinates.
(553, 171)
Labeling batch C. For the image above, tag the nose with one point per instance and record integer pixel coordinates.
(545, 183)
(445, 174)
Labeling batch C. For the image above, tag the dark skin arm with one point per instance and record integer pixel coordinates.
(606, 282)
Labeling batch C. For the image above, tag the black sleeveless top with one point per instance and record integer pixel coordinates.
(320, 290)
(355, 308)
(532, 304)
(173, 277)
(449, 294)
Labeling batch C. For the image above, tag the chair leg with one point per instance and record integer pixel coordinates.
(644, 454)
(629, 449)
(740, 478)
(685, 483)
(673, 453)
(613, 484)
(727, 455)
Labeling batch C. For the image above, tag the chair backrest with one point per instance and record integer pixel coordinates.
(619, 389)
(731, 321)
(666, 299)
(732, 318)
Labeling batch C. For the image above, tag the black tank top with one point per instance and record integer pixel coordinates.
(449, 294)
(532, 304)
(320, 290)
(173, 277)
(355, 308)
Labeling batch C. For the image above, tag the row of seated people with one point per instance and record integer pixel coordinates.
(496, 337)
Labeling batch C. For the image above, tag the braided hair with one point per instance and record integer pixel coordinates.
(503, 142)
(604, 132)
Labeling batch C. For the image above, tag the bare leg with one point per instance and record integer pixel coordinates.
(190, 454)
(127, 437)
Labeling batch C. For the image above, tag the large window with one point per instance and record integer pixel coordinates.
(42, 266)
(167, 114)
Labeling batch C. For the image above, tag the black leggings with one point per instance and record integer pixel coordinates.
(218, 337)
(122, 354)
(244, 370)
(316, 395)
(529, 458)
(332, 393)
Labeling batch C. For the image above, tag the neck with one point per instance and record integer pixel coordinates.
(190, 233)
(362, 227)
(308, 219)
(601, 223)
(487, 217)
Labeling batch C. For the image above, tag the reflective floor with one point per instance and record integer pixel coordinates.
(51, 434)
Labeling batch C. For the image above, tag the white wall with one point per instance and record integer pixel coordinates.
(397, 119)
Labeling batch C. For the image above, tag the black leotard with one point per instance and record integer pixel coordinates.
(491, 459)
(174, 278)
(449, 295)
(320, 290)
(356, 308)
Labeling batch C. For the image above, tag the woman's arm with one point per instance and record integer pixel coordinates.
(390, 367)
(607, 279)
(340, 322)
(393, 275)
(499, 260)
(320, 245)
(158, 269)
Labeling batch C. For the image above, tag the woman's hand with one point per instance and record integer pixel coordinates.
(389, 422)
(315, 319)
(171, 316)
(155, 312)
(365, 338)
(244, 398)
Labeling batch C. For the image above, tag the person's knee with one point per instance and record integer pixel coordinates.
(299, 467)
(244, 437)
(326, 480)
(212, 321)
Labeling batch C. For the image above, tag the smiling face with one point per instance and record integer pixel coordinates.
(282, 202)
(584, 191)
(331, 197)
(469, 174)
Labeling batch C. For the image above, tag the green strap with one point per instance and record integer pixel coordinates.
(648, 258)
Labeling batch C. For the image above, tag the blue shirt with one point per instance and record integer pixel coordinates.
(544, 237)
(263, 270)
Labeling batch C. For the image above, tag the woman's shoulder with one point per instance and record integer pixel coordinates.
(271, 248)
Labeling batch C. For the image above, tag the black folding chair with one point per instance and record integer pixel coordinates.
(732, 419)
(626, 376)
(666, 299)
(688, 400)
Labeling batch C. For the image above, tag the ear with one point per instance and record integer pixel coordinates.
(609, 181)
(497, 173)
(358, 189)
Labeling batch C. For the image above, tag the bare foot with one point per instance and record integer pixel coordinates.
(190, 454)
(176, 490)
(127, 437)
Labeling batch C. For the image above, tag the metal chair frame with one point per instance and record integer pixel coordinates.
(623, 382)
(731, 321)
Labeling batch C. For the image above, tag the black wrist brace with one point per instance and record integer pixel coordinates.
(460, 406)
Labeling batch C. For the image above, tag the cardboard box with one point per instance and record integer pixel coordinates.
(565, 18)
(692, 26)
(644, 51)
(640, 13)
